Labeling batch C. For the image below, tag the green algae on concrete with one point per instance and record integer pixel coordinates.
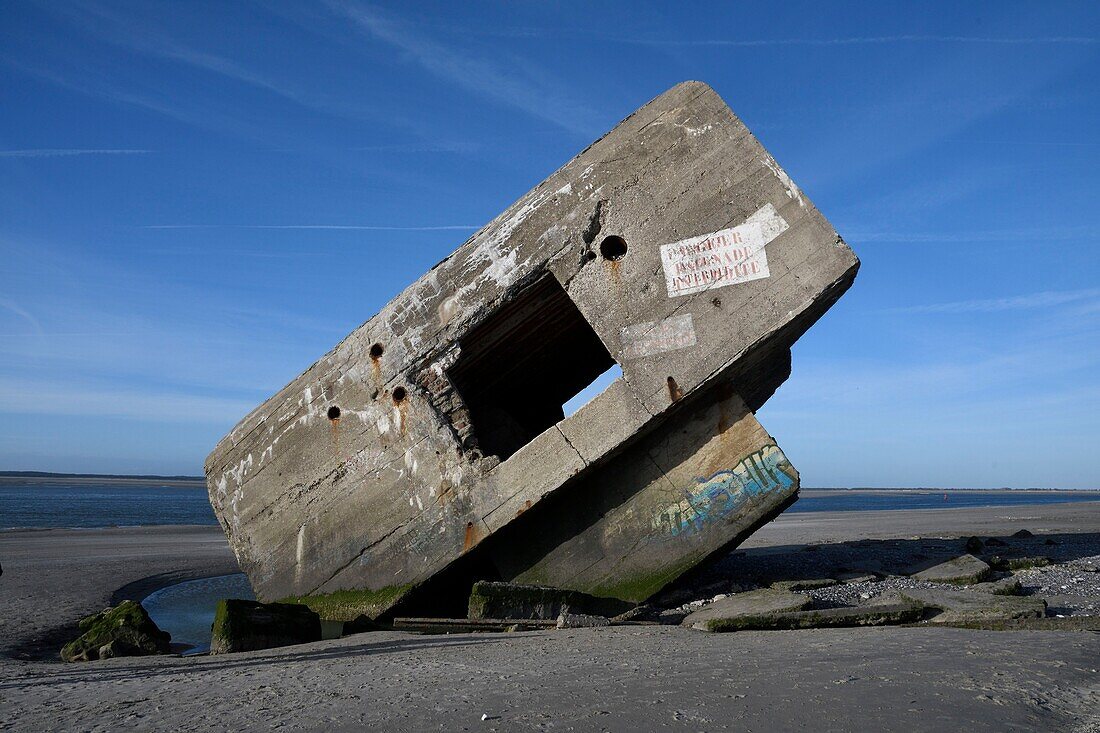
(123, 631)
(350, 605)
(241, 626)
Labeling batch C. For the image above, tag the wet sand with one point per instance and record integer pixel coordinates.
(622, 678)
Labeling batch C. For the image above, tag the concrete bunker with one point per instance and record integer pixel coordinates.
(454, 456)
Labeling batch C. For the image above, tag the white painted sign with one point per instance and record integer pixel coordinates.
(728, 257)
(655, 337)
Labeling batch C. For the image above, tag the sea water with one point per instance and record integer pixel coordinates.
(101, 503)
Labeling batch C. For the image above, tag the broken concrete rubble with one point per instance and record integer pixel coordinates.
(429, 449)
(966, 606)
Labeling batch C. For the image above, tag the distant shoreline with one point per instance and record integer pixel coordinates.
(76, 480)
(111, 476)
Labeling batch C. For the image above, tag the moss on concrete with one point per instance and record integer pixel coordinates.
(642, 586)
(1023, 563)
(490, 600)
(349, 605)
(241, 625)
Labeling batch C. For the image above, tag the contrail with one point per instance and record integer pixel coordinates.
(61, 152)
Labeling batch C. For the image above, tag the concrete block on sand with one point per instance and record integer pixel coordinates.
(752, 604)
(871, 615)
(963, 570)
(123, 631)
(241, 626)
(969, 606)
(515, 601)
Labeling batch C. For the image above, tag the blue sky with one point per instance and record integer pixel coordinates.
(198, 199)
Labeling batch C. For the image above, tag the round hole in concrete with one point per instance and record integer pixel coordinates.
(613, 248)
(590, 255)
(376, 351)
(334, 413)
(399, 395)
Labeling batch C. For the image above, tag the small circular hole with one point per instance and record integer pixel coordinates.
(376, 351)
(613, 248)
(399, 394)
(590, 255)
(334, 413)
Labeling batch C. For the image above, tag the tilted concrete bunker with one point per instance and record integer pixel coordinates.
(433, 435)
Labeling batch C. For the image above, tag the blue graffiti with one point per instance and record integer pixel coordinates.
(716, 497)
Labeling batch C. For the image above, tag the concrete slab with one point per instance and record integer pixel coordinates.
(967, 606)
(848, 616)
(962, 570)
(753, 603)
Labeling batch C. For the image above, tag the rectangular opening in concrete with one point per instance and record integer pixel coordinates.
(516, 370)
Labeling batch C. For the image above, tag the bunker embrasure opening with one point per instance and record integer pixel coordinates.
(518, 368)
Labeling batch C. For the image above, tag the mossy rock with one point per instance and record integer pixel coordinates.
(123, 631)
(241, 626)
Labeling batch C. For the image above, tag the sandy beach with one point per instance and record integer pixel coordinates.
(619, 678)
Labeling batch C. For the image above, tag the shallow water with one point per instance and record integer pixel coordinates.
(186, 610)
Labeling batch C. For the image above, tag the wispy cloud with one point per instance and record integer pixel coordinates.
(866, 40)
(85, 79)
(337, 227)
(15, 308)
(124, 31)
(51, 398)
(63, 152)
(995, 305)
(531, 93)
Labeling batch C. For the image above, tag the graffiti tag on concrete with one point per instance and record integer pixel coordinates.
(656, 337)
(718, 259)
(713, 498)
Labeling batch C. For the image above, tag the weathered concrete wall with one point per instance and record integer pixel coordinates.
(365, 473)
(702, 481)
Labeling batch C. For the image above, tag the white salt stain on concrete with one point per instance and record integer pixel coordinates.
(793, 191)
